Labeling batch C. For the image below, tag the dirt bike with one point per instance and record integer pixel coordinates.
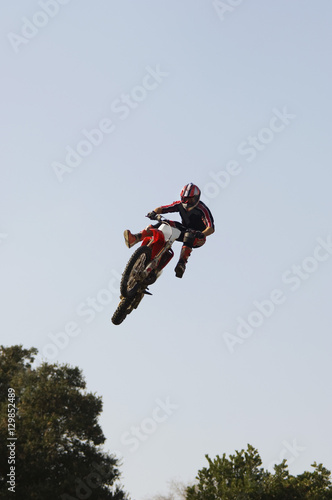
(144, 267)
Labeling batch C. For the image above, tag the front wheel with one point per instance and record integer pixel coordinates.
(132, 275)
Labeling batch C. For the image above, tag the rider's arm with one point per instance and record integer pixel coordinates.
(173, 207)
(207, 219)
(209, 230)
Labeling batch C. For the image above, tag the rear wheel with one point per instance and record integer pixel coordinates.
(132, 275)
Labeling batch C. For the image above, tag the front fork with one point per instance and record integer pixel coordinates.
(152, 266)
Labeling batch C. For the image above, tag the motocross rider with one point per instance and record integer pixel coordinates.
(197, 224)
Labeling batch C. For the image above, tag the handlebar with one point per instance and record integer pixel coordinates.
(157, 217)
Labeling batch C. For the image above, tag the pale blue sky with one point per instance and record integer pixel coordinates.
(220, 85)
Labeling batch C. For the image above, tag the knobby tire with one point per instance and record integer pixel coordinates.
(121, 311)
(141, 257)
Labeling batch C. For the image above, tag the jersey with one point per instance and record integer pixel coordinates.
(199, 218)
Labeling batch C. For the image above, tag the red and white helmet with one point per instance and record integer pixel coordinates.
(190, 196)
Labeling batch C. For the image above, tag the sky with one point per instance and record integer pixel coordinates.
(108, 109)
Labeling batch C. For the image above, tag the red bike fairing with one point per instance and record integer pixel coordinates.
(158, 241)
(157, 244)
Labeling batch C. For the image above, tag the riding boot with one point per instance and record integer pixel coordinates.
(181, 265)
(132, 239)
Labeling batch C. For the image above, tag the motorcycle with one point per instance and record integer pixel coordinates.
(144, 267)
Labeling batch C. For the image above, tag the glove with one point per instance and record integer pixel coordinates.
(152, 215)
(200, 235)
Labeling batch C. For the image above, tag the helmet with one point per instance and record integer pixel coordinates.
(190, 196)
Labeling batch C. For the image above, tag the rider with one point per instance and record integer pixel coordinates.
(197, 224)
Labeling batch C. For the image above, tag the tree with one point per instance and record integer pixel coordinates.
(241, 477)
(55, 440)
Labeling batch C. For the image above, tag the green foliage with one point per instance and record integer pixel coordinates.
(58, 451)
(241, 477)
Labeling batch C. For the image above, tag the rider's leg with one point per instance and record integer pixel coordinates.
(181, 265)
(132, 239)
(190, 241)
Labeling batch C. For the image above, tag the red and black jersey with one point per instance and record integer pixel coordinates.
(199, 218)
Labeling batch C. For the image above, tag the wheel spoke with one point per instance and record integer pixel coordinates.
(136, 271)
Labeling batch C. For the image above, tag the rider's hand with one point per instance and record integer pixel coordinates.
(200, 235)
(152, 215)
